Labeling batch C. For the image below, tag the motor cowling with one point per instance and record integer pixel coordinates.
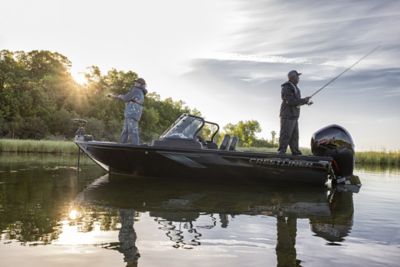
(336, 142)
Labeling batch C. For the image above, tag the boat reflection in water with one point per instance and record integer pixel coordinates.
(178, 206)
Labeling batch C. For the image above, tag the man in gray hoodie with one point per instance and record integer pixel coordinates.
(289, 114)
(133, 111)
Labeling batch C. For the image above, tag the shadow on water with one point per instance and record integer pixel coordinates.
(36, 204)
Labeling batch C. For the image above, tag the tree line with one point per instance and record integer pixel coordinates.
(39, 98)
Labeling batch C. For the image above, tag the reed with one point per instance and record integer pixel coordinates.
(38, 146)
(382, 158)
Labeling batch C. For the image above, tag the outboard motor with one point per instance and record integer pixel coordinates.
(334, 141)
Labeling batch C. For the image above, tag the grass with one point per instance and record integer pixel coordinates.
(38, 146)
(382, 158)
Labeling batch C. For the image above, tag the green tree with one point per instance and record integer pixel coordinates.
(39, 98)
(245, 131)
(33, 87)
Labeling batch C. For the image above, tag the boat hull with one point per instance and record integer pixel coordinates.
(151, 161)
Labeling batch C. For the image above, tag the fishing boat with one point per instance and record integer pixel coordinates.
(183, 151)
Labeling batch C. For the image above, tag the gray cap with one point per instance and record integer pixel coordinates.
(141, 81)
(293, 72)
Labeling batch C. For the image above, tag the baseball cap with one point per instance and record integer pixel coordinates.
(293, 72)
(141, 81)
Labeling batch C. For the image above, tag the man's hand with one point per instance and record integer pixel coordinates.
(307, 99)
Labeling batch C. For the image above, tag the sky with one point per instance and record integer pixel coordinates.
(229, 58)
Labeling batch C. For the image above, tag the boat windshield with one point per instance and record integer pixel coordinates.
(186, 127)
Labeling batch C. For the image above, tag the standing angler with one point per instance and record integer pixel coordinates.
(289, 114)
(133, 111)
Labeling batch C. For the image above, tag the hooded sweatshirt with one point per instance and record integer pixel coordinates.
(134, 102)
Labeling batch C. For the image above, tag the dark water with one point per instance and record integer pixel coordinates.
(50, 216)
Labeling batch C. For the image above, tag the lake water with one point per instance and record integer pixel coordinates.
(51, 216)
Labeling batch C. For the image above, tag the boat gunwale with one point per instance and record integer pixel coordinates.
(114, 145)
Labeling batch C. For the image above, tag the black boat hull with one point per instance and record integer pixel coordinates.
(152, 161)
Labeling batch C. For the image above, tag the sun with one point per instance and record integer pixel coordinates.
(73, 214)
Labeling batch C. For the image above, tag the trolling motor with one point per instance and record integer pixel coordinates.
(81, 136)
(80, 132)
(334, 141)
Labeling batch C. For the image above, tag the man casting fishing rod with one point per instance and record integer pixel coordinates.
(289, 114)
(133, 111)
(290, 108)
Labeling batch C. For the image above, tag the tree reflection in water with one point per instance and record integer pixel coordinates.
(184, 210)
(285, 245)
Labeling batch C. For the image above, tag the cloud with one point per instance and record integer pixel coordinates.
(255, 79)
(256, 58)
(335, 30)
(320, 39)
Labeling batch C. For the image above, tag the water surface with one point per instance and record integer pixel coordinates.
(50, 215)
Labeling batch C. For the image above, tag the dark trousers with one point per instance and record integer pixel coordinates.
(289, 135)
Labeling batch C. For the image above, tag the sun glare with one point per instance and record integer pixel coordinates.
(79, 77)
(73, 229)
(73, 214)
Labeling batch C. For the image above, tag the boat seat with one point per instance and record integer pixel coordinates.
(211, 145)
(232, 146)
(225, 142)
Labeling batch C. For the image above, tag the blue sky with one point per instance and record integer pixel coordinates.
(228, 58)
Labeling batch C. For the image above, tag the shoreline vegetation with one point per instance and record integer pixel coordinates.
(40, 100)
(17, 146)
(37, 146)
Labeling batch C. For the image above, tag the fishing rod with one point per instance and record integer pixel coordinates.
(337, 77)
